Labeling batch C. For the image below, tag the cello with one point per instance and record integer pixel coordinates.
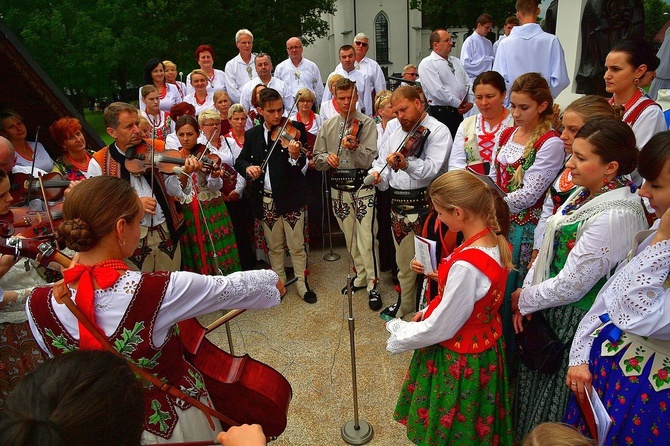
(250, 391)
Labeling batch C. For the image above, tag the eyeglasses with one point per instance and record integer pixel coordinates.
(209, 124)
(363, 44)
(292, 48)
(411, 74)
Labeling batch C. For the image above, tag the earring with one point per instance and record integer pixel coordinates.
(636, 81)
(605, 180)
(122, 243)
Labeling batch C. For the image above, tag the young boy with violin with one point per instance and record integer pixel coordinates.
(275, 172)
(158, 248)
(347, 144)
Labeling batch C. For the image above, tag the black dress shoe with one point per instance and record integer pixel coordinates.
(375, 301)
(309, 297)
(353, 287)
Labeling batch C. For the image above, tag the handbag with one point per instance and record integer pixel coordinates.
(538, 346)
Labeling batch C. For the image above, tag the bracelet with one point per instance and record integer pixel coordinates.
(406, 165)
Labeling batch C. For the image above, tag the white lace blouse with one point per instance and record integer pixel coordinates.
(538, 177)
(187, 295)
(465, 286)
(637, 299)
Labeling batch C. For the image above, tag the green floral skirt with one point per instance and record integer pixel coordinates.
(452, 398)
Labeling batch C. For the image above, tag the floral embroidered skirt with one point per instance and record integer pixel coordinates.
(208, 230)
(450, 398)
(540, 397)
(638, 411)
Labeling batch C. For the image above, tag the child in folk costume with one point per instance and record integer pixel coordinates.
(456, 390)
(208, 245)
(529, 157)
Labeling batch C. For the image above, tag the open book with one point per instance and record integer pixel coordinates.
(424, 251)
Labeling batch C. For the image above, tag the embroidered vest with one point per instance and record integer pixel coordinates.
(173, 215)
(475, 155)
(133, 338)
(506, 172)
(637, 111)
(484, 327)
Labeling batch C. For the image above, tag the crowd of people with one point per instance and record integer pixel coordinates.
(541, 216)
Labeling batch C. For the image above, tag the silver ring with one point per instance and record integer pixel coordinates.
(573, 383)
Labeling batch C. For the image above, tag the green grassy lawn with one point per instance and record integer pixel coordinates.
(95, 120)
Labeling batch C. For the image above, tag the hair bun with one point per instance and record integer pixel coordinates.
(76, 235)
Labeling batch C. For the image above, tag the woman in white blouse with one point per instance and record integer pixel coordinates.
(628, 360)
(583, 242)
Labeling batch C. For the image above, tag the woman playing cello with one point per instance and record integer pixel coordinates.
(122, 301)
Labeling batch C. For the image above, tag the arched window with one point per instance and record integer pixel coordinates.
(382, 38)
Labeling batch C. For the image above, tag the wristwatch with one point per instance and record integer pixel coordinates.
(406, 165)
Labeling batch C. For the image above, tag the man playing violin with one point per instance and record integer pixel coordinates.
(347, 143)
(161, 226)
(414, 155)
(278, 186)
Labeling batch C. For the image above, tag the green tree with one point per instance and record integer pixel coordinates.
(656, 14)
(443, 14)
(96, 48)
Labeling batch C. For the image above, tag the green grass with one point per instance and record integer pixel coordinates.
(96, 121)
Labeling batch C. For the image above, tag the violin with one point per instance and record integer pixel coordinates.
(39, 249)
(413, 144)
(54, 185)
(31, 223)
(139, 161)
(289, 134)
(25, 184)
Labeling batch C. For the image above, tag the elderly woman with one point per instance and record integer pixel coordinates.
(222, 104)
(13, 128)
(200, 97)
(73, 162)
(171, 77)
(154, 74)
(204, 54)
(305, 115)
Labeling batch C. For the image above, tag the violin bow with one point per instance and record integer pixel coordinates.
(288, 118)
(32, 166)
(48, 210)
(344, 124)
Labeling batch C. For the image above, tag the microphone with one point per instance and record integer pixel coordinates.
(369, 180)
(178, 170)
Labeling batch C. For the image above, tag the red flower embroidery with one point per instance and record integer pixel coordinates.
(430, 365)
(447, 419)
(423, 414)
(663, 374)
(468, 372)
(460, 417)
(482, 428)
(410, 388)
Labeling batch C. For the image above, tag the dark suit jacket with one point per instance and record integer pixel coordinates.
(288, 182)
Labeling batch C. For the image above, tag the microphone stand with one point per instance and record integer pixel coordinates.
(356, 431)
(331, 256)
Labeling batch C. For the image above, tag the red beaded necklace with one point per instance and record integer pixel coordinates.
(198, 100)
(163, 92)
(308, 125)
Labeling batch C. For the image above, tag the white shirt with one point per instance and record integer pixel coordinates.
(172, 141)
(441, 86)
(373, 70)
(237, 74)
(143, 189)
(538, 177)
(316, 125)
(172, 97)
(477, 55)
(601, 243)
(636, 298)
(529, 49)
(42, 159)
(328, 110)
(384, 134)
(465, 286)
(209, 102)
(495, 45)
(458, 159)
(422, 170)
(187, 295)
(275, 83)
(363, 85)
(228, 153)
(305, 75)
(217, 82)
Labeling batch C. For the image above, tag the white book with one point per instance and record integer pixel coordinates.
(602, 418)
(424, 251)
